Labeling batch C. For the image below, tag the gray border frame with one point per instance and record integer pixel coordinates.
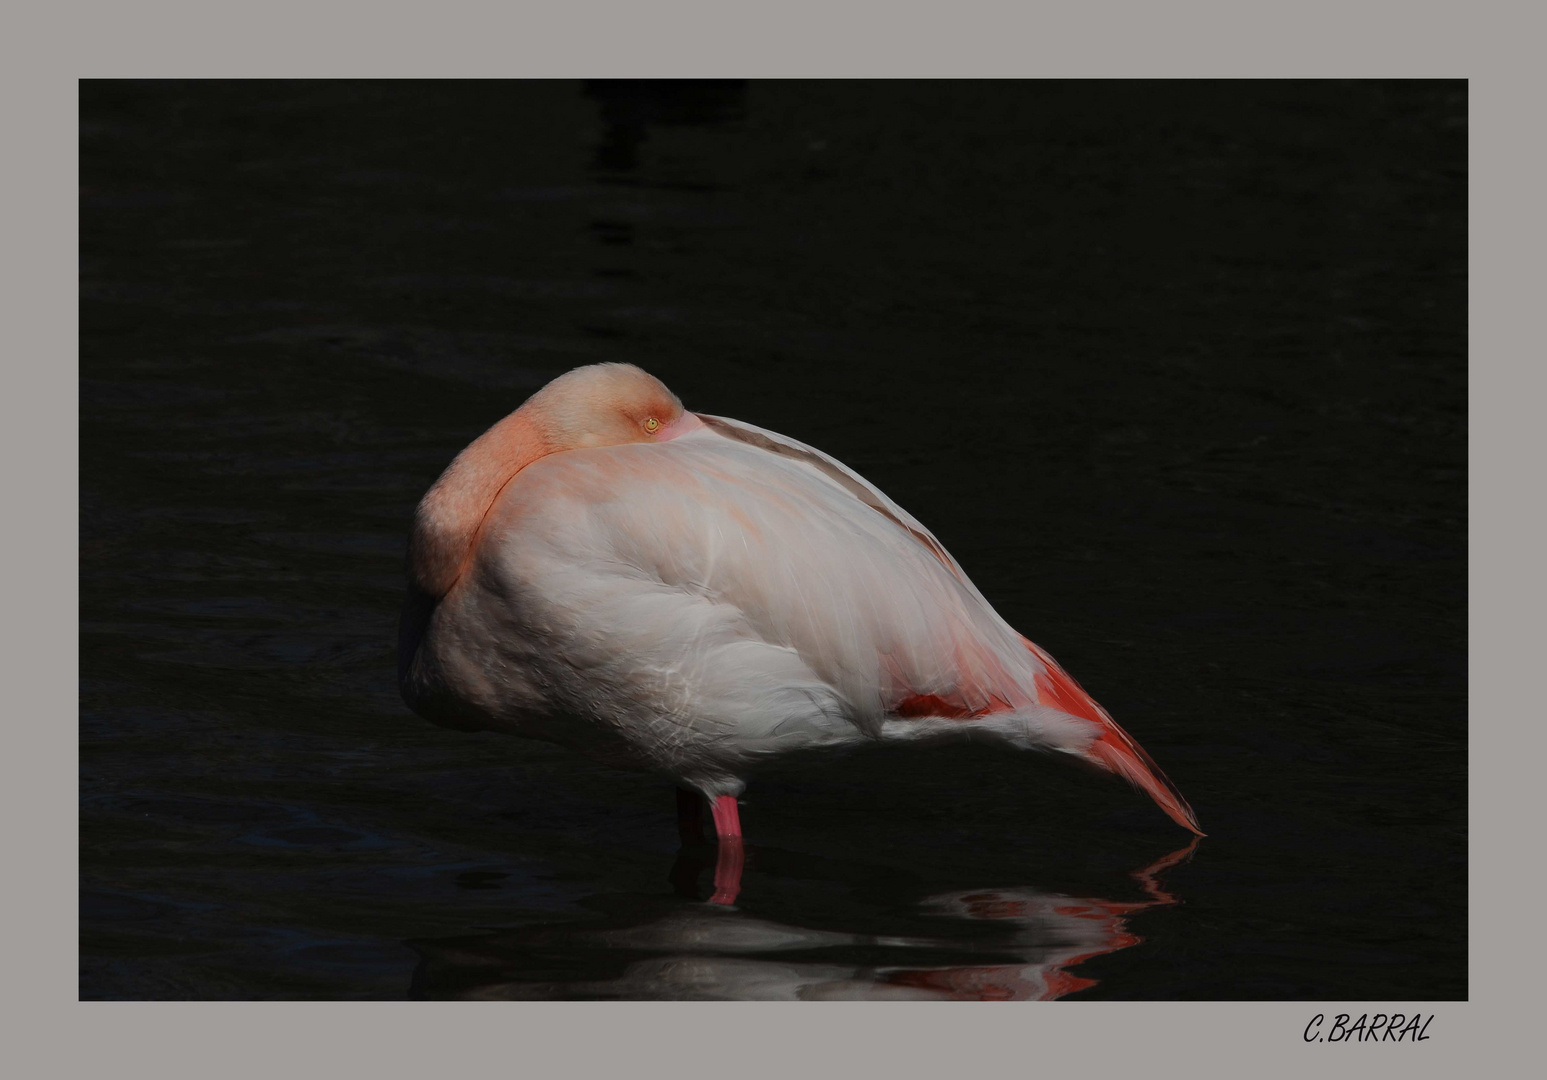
(54, 1034)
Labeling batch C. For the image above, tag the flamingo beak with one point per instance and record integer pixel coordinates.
(681, 426)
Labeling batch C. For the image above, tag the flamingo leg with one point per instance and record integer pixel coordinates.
(727, 819)
(730, 855)
(730, 859)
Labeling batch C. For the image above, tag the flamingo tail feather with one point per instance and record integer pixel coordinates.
(1114, 750)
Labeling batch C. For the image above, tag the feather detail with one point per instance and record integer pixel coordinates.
(1114, 749)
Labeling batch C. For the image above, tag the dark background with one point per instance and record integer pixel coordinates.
(1176, 370)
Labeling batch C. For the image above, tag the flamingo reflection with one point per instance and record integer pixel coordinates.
(1001, 944)
(1084, 928)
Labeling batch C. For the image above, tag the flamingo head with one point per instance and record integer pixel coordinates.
(600, 405)
(606, 405)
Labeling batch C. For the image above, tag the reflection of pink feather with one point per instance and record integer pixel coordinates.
(691, 596)
(1070, 930)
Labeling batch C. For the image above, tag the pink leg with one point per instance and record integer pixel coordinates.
(727, 820)
(730, 857)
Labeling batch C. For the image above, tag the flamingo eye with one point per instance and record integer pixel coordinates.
(652, 425)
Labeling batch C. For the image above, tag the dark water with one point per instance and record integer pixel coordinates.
(1176, 371)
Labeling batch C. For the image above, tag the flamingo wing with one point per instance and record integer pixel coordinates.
(978, 685)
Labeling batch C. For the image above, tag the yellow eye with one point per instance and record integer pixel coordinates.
(652, 425)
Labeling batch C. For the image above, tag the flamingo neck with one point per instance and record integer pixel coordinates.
(447, 521)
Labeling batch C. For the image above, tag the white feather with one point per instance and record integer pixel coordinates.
(694, 606)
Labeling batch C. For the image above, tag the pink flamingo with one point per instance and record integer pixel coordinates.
(690, 595)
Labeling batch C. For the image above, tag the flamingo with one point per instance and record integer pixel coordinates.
(690, 596)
